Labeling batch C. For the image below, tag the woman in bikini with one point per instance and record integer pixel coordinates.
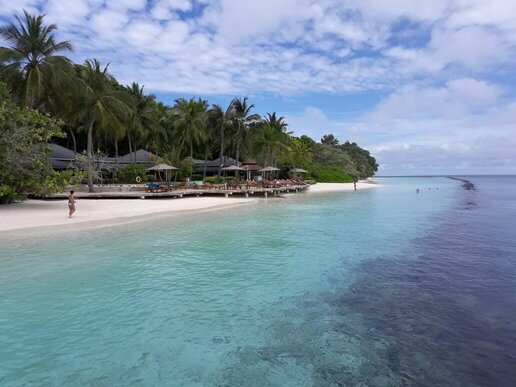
(71, 204)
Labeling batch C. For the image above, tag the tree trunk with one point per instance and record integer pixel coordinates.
(237, 152)
(74, 142)
(116, 159)
(90, 156)
(205, 161)
(221, 155)
(130, 146)
(191, 156)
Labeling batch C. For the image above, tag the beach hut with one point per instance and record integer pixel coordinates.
(162, 168)
(250, 169)
(211, 167)
(141, 156)
(61, 157)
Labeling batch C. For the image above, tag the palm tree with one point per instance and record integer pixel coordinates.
(269, 142)
(31, 65)
(213, 128)
(277, 123)
(144, 118)
(243, 120)
(299, 154)
(225, 120)
(99, 106)
(190, 119)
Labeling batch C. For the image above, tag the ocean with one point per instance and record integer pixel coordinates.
(381, 287)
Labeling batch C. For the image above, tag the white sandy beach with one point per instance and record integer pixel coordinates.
(32, 214)
(41, 215)
(335, 187)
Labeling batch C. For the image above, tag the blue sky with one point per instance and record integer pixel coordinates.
(427, 86)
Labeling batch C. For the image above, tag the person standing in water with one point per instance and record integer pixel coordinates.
(71, 204)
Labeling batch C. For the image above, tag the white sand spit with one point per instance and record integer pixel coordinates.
(334, 187)
(36, 214)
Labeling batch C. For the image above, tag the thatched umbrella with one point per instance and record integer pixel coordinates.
(162, 167)
(235, 168)
(269, 169)
(295, 171)
(298, 170)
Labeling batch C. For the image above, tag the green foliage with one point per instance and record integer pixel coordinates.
(329, 139)
(186, 167)
(108, 118)
(197, 177)
(328, 155)
(24, 162)
(190, 121)
(32, 62)
(215, 180)
(56, 181)
(130, 172)
(8, 194)
(329, 174)
(366, 165)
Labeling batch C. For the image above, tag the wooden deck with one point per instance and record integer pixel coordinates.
(179, 193)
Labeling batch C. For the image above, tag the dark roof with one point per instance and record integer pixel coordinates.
(61, 153)
(141, 156)
(216, 163)
(213, 165)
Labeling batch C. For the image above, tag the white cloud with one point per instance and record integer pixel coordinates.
(439, 62)
(286, 47)
(457, 98)
(311, 121)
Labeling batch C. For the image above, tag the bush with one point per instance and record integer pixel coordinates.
(56, 181)
(7, 194)
(197, 177)
(329, 174)
(216, 180)
(130, 172)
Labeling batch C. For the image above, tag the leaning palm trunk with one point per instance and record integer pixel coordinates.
(130, 146)
(116, 159)
(74, 140)
(221, 155)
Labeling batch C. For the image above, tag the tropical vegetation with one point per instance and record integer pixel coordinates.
(48, 98)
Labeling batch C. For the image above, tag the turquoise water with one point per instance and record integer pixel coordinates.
(245, 296)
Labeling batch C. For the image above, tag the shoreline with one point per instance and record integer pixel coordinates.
(42, 217)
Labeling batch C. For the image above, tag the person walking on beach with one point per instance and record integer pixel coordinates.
(71, 203)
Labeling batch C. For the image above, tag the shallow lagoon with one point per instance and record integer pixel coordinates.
(379, 287)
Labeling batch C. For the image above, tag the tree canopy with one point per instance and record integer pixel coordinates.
(84, 107)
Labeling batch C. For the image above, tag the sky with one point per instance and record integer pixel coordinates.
(427, 86)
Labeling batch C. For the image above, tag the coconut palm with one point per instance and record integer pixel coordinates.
(213, 129)
(277, 123)
(298, 152)
(243, 120)
(31, 65)
(99, 106)
(225, 120)
(190, 119)
(268, 142)
(144, 118)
